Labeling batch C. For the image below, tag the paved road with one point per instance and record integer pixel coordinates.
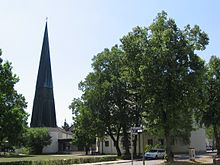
(147, 162)
(127, 162)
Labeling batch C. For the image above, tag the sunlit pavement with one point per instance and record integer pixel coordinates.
(208, 158)
(127, 162)
(147, 162)
(202, 158)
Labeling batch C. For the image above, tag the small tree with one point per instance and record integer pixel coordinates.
(36, 139)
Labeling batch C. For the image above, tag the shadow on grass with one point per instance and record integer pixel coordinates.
(15, 156)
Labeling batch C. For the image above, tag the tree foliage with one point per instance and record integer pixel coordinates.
(106, 93)
(13, 118)
(211, 114)
(154, 77)
(209, 132)
(172, 75)
(84, 133)
(36, 139)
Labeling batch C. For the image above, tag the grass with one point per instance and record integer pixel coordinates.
(13, 158)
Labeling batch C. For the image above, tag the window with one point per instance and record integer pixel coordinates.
(106, 143)
(150, 141)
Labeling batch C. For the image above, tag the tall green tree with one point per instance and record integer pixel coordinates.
(105, 91)
(133, 46)
(154, 77)
(13, 118)
(211, 114)
(85, 130)
(172, 76)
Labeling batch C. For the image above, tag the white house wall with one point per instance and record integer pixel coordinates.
(198, 141)
(63, 135)
(111, 148)
(108, 149)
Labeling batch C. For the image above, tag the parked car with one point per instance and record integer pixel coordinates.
(155, 154)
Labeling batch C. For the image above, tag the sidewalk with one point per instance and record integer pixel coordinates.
(108, 162)
(201, 159)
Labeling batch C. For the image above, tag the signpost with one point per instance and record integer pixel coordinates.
(134, 131)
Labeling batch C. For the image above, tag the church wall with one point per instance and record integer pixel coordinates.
(53, 147)
(63, 135)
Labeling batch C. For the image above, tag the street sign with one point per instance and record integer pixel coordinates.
(136, 128)
(134, 131)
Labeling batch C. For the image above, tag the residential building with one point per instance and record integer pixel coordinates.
(197, 141)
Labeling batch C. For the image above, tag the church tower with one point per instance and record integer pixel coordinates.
(43, 113)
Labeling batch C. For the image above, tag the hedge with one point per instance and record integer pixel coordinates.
(62, 161)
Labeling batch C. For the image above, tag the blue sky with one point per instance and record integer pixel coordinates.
(78, 30)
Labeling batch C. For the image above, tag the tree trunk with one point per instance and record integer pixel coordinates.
(117, 148)
(169, 152)
(126, 143)
(213, 141)
(102, 147)
(116, 141)
(135, 145)
(36, 149)
(217, 139)
(137, 124)
(218, 146)
(87, 150)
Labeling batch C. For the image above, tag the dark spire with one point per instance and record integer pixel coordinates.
(43, 114)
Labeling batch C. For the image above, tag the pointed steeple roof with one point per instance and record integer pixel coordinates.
(43, 114)
(44, 78)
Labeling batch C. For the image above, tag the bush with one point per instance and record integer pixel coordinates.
(23, 150)
(63, 161)
(36, 139)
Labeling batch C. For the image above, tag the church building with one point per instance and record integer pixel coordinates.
(43, 113)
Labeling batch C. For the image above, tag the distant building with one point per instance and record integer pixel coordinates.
(197, 141)
(43, 113)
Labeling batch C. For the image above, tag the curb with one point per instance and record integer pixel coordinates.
(108, 162)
